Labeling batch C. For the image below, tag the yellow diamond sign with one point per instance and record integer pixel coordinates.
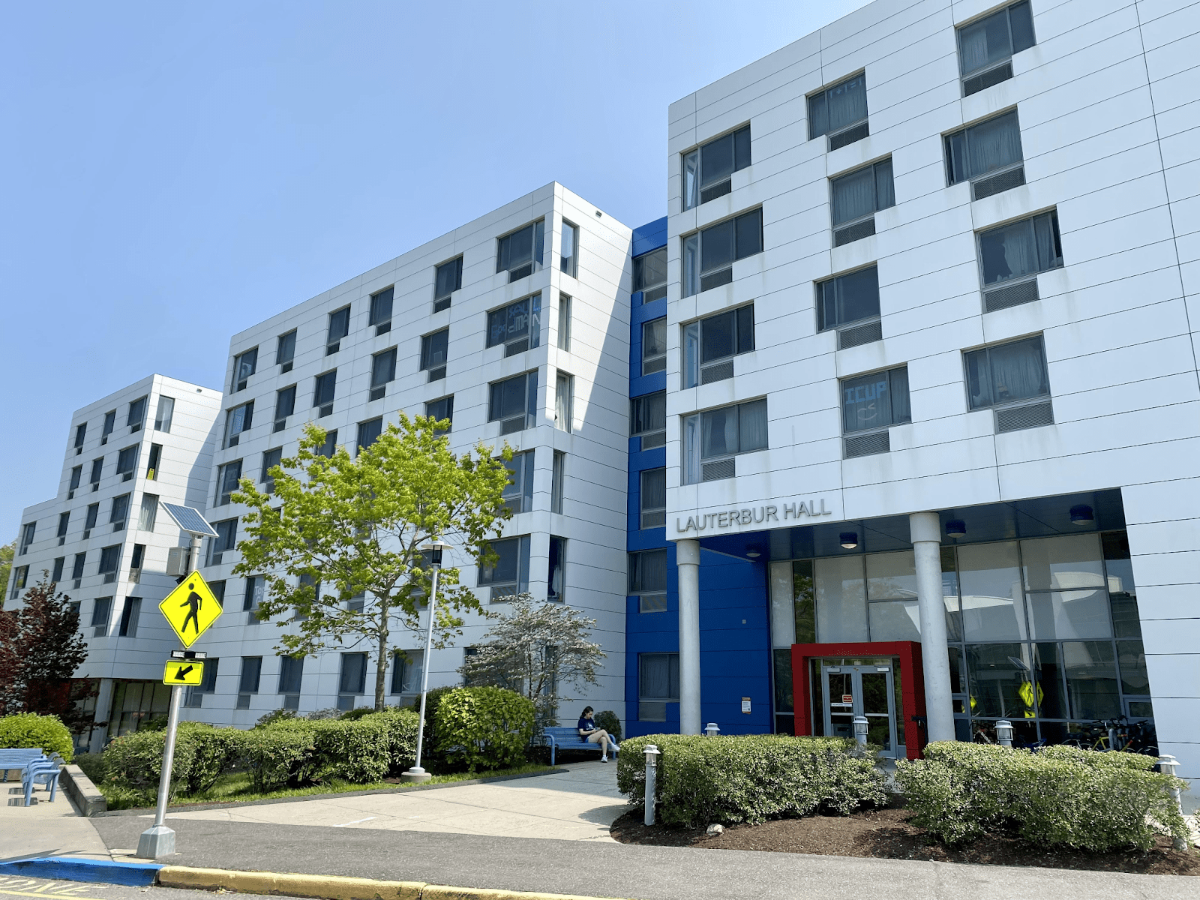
(191, 608)
(184, 671)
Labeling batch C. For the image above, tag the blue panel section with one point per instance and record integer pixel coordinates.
(641, 313)
(104, 871)
(650, 236)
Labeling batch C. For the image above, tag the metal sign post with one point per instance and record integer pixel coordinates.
(190, 604)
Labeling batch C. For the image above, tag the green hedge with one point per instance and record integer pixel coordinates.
(484, 727)
(28, 730)
(727, 779)
(610, 722)
(1060, 797)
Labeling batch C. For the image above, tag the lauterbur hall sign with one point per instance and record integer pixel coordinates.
(753, 515)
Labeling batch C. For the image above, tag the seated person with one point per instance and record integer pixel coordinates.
(593, 735)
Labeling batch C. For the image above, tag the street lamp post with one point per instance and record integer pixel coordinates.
(416, 773)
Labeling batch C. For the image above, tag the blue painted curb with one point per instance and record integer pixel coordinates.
(64, 868)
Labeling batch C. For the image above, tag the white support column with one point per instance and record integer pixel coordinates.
(927, 546)
(103, 707)
(687, 558)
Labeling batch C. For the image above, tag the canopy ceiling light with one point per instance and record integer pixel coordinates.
(956, 528)
(849, 539)
(1082, 515)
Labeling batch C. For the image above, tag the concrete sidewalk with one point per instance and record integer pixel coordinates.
(45, 828)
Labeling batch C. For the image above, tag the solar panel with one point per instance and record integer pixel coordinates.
(189, 519)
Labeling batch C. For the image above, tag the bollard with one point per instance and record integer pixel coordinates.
(1167, 765)
(651, 780)
(1004, 733)
(712, 728)
(860, 731)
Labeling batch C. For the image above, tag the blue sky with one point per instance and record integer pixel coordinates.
(173, 173)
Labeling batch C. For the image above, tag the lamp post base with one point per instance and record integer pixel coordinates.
(415, 775)
(155, 842)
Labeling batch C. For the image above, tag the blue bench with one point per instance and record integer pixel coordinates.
(18, 758)
(568, 739)
(44, 770)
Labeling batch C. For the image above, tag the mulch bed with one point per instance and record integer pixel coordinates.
(887, 834)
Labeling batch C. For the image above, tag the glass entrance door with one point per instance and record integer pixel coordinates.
(861, 690)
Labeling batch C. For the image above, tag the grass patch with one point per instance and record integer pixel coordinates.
(235, 787)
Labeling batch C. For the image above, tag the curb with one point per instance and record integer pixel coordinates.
(59, 868)
(334, 887)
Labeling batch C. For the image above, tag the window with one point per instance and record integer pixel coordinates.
(442, 411)
(76, 478)
(447, 280)
(870, 403)
(285, 351)
(564, 322)
(707, 170)
(513, 402)
(77, 567)
(285, 405)
(1011, 256)
(840, 111)
(383, 373)
(324, 388)
(850, 298)
(20, 578)
(555, 580)
(353, 678)
(256, 587)
(709, 255)
(27, 532)
(648, 419)
(291, 674)
(518, 326)
(569, 258)
(129, 617)
(135, 564)
(1011, 373)
(518, 494)
(93, 513)
(248, 682)
(510, 573)
(654, 346)
(227, 481)
(556, 482)
(109, 558)
(127, 462)
(648, 580)
(166, 411)
(119, 513)
(270, 460)
(101, 611)
(149, 512)
(520, 253)
(57, 574)
(653, 497)
(713, 438)
(137, 414)
(330, 446)
(80, 435)
(710, 345)
(856, 198)
(97, 469)
(193, 697)
(368, 432)
(339, 327)
(988, 154)
(381, 311)
(564, 402)
(64, 520)
(650, 275)
(406, 671)
(238, 421)
(658, 685)
(986, 46)
(434, 348)
(226, 539)
(152, 463)
(244, 365)
(110, 422)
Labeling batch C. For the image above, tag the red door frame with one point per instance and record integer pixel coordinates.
(912, 682)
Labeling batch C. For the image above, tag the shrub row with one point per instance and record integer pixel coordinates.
(483, 727)
(729, 779)
(1062, 796)
(32, 730)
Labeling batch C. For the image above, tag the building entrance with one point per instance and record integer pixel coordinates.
(861, 690)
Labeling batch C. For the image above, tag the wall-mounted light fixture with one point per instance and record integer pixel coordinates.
(849, 539)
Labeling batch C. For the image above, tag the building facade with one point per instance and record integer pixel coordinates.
(896, 413)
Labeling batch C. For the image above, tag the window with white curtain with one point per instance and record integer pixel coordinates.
(1020, 249)
(857, 196)
(711, 439)
(986, 46)
(648, 419)
(237, 421)
(406, 671)
(244, 365)
(840, 111)
(707, 169)
(658, 685)
(875, 401)
(555, 578)
(1007, 373)
(166, 411)
(984, 148)
(650, 275)
(291, 674)
(564, 322)
(648, 579)
(569, 257)
(654, 346)
(710, 344)
(653, 499)
(564, 402)
(709, 254)
(557, 474)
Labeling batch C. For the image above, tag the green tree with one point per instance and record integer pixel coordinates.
(336, 528)
(536, 649)
(7, 552)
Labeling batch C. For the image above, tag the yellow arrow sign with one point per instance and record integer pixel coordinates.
(191, 608)
(184, 671)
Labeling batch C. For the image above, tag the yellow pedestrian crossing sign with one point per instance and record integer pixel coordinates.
(191, 608)
(184, 671)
